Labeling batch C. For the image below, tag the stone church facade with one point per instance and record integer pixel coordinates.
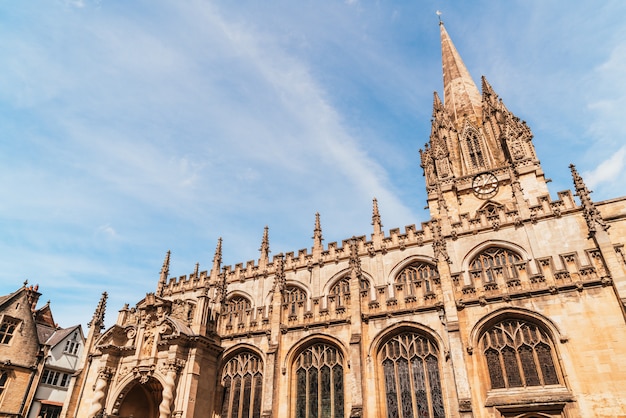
(506, 303)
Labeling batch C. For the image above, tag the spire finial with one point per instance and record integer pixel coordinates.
(165, 271)
(265, 247)
(376, 221)
(317, 234)
(196, 270)
(438, 13)
(217, 258)
(590, 212)
(97, 321)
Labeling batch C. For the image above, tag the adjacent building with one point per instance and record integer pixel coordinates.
(507, 302)
(37, 357)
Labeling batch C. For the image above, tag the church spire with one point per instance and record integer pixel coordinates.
(265, 248)
(460, 94)
(165, 271)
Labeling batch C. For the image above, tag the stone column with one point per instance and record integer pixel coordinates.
(172, 367)
(102, 383)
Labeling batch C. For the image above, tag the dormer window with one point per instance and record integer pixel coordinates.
(71, 346)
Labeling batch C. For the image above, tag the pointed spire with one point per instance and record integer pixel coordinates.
(317, 234)
(265, 247)
(217, 259)
(460, 94)
(378, 226)
(196, 271)
(97, 321)
(590, 212)
(165, 271)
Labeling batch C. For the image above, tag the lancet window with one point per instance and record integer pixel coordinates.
(242, 379)
(410, 366)
(292, 297)
(319, 383)
(519, 353)
(418, 275)
(341, 290)
(495, 262)
(474, 149)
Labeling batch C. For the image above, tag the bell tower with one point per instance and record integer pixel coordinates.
(479, 153)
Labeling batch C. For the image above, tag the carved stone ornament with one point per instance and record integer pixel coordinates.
(465, 405)
(172, 365)
(143, 373)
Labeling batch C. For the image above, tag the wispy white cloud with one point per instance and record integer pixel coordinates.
(134, 128)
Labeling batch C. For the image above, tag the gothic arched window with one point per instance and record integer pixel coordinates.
(235, 309)
(518, 353)
(418, 275)
(242, 378)
(319, 382)
(474, 149)
(238, 304)
(496, 262)
(292, 297)
(341, 289)
(410, 366)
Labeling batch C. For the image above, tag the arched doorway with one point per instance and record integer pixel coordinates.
(141, 400)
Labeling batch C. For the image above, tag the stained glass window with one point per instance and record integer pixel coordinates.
(418, 275)
(518, 353)
(495, 262)
(319, 381)
(242, 379)
(410, 365)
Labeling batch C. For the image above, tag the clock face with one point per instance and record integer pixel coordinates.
(485, 185)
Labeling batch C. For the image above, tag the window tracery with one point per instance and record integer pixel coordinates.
(495, 262)
(418, 275)
(242, 379)
(518, 354)
(292, 297)
(319, 383)
(341, 290)
(410, 368)
(474, 149)
(7, 328)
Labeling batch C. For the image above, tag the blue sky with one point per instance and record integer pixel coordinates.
(131, 128)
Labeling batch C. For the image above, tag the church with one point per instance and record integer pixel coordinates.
(507, 302)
